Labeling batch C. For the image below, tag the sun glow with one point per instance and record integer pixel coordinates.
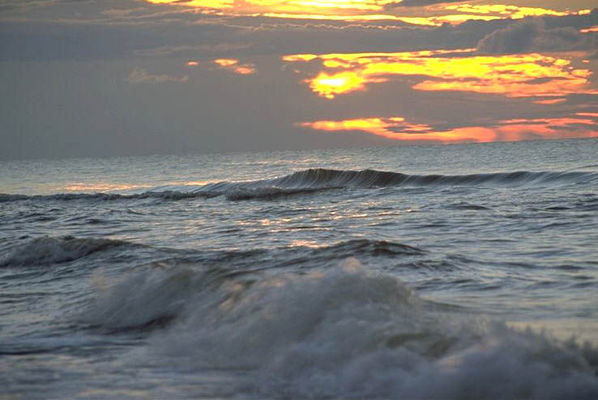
(527, 75)
(344, 82)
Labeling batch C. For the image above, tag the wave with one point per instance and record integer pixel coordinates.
(342, 333)
(166, 195)
(373, 178)
(51, 250)
(48, 250)
(360, 247)
(317, 180)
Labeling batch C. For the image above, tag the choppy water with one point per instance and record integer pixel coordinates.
(410, 272)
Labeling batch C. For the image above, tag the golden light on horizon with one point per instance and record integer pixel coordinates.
(98, 187)
(518, 76)
(397, 128)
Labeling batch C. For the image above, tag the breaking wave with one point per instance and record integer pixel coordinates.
(343, 333)
(317, 180)
(373, 178)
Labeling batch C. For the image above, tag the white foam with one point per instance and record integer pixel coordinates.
(141, 297)
(345, 333)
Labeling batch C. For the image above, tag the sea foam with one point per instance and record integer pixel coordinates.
(342, 333)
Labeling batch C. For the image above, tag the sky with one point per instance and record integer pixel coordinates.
(86, 78)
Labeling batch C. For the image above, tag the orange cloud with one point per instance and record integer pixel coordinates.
(547, 128)
(244, 69)
(226, 62)
(396, 128)
(549, 102)
(507, 11)
(526, 75)
(590, 30)
(233, 65)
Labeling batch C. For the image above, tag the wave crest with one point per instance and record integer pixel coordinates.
(373, 178)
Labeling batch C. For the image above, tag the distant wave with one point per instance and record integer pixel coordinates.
(358, 247)
(48, 250)
(373, 178)
(317, 180)
(51, 250)
(341, 333)
(166, 195)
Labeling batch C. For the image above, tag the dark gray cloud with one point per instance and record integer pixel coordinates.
(39, 41)
(140, 75)
(534, 34)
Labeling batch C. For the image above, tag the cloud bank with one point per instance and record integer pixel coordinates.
(117, 77)
(533, 35)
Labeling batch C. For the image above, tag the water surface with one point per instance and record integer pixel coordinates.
(464, 271)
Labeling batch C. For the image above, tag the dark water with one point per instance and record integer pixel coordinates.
(457, 272)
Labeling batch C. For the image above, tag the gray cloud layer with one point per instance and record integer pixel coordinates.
(535, 34)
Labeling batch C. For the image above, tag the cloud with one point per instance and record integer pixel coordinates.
(533, 35)
(418, 3)
(232, 64)
(206, 50)
(517, 76)
(51, 49)
(397, 128)
(421, 12)
(140, 75)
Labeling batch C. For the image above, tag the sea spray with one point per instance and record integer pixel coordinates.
(345, 332)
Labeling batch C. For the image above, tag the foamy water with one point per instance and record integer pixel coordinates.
(422, 272)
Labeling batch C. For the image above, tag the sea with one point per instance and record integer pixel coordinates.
(463, 271)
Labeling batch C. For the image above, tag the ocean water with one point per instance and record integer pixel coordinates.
(421, 272)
